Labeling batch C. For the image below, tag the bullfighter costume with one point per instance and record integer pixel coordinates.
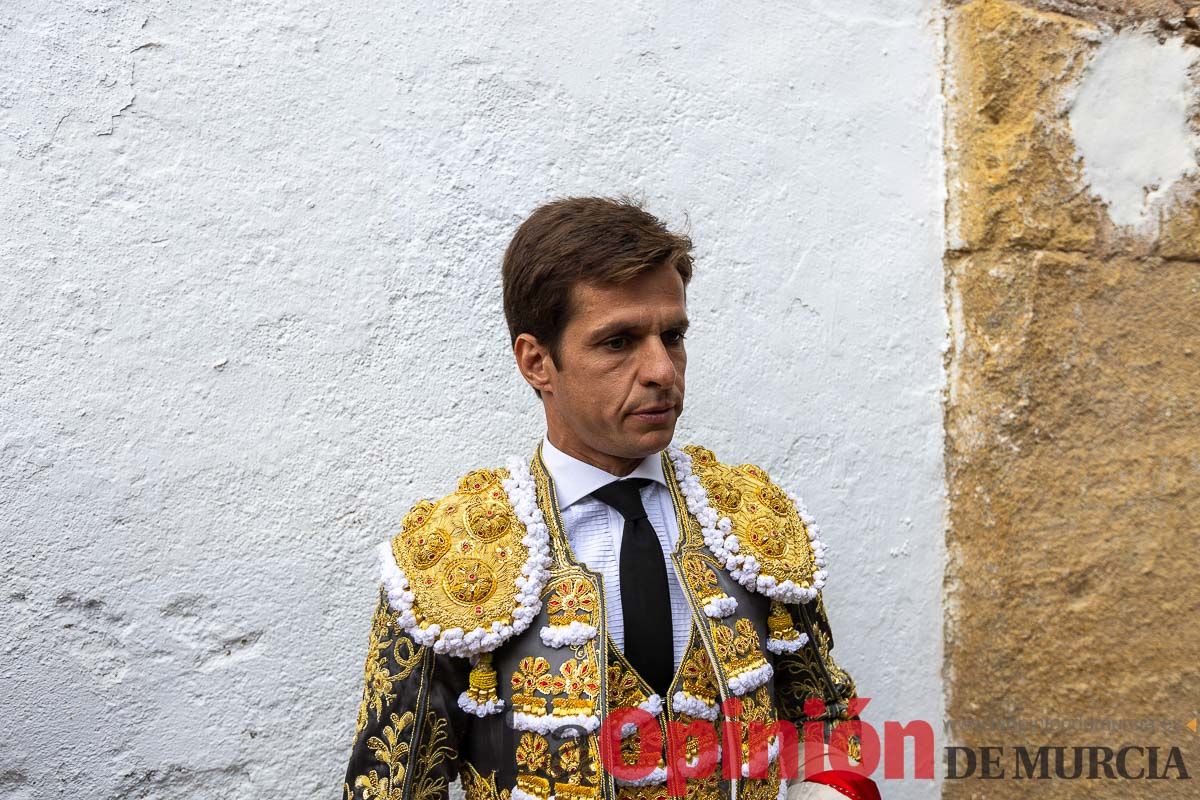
(493, 655)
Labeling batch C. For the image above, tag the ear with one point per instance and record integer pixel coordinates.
(534, 361)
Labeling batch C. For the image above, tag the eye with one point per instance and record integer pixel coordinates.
(674, 337)
(615, 343)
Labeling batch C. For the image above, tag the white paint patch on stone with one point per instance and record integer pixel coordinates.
(1130, 123)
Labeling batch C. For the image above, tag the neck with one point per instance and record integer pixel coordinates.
(613, 465)
(563, 438)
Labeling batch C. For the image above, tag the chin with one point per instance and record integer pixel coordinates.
(658, 438)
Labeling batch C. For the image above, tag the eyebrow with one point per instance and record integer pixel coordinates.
(615, 328)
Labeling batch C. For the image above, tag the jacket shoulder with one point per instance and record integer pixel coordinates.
(465, 571)
(762, 532)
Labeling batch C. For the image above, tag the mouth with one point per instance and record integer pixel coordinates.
(654, 414)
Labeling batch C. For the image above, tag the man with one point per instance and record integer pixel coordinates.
(613, 577)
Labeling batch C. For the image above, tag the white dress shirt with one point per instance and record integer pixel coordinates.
(593, 529)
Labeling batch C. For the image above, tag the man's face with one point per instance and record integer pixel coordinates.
(616, 391)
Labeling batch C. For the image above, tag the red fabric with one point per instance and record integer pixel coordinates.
(851, 784)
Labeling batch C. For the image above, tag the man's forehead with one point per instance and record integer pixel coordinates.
(608, 305)
(627, 293)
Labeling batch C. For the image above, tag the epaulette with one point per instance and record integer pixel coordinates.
(762, 534)
(466, 572)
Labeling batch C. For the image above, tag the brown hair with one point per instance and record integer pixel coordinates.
(589, 239)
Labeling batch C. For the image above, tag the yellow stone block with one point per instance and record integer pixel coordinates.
(1013, 177)
(1074, 491)
(1180, 235)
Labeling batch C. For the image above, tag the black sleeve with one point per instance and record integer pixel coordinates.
(811, 672)
(406, 738)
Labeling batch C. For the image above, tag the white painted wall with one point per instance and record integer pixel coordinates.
(251, 311)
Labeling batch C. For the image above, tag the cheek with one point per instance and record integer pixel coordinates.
(597, 395)
(608, 397)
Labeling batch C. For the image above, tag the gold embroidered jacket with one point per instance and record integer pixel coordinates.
(489, 657)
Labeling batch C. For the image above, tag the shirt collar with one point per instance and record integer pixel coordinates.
(575, 479)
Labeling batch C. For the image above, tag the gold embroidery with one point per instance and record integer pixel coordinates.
(746, 641)
(855, 751)
(770, 494)
(767, 524)
(532, 675)
(697, 675)
(479, 480)
(575, 791)
(574, 706)
(758, 707)
(652, 792)
(701, 578)
(569, 782)
(804, 674)
(624, 688)
(797, 679)
(631, 749)
(487, 519)
(762, 788)
(535, 785)
(533, 752)
(569, 757)
(694, 678)
(726, 497)
(468, 581)
(477, 787)
(737, 647)
(392, 752)
(768, 535)
(378, 679)
(417, 515)
(574, 599)
(703, 788)
(836, 673)
(574, 686)
(576, 677)
(529, 705)
(565, 682)
(431, 784)
(427, 546)
(463, 553)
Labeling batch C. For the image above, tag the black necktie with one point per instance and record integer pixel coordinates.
(645, 602)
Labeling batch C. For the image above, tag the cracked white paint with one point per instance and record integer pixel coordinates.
(250, 312)
(1130, 123)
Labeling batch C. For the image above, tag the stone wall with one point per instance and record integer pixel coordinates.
(1073, 407)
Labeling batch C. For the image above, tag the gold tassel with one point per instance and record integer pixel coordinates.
(482, 680)
(779, 623)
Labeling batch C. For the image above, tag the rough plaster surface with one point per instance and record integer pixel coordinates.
(1071, 423)
(251, 312)
(1131, 124)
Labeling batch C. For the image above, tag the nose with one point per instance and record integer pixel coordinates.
(657, 368)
